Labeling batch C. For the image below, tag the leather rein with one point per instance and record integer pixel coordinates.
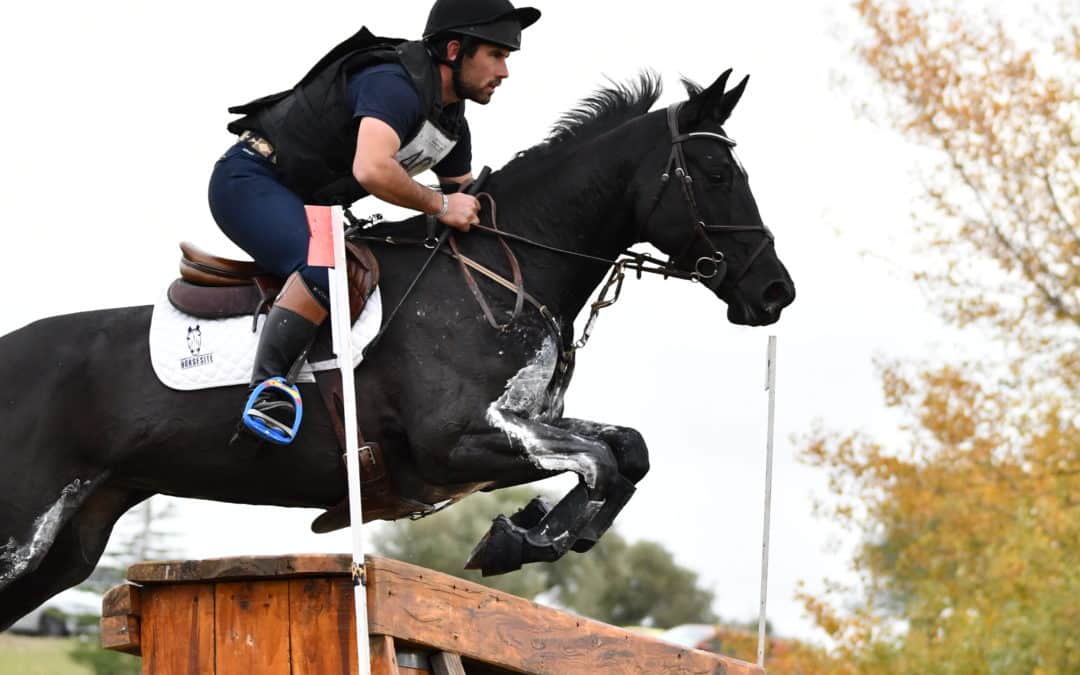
(705, 268)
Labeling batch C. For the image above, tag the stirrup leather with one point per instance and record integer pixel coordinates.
(265, 426)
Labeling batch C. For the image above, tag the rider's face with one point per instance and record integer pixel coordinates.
(482, 72)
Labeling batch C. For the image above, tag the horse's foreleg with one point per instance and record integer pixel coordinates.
(633, 457)
(528, 450)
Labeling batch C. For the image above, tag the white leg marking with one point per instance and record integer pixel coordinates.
(18, 558)
(524, 397)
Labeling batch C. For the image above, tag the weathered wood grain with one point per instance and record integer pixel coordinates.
(121, 600)
(121, 634)
(178, 630)
(119, 628)
(322, 626)
(244, 567)
(452, 615)
(293, 615)
(252, 627)
(383, 656)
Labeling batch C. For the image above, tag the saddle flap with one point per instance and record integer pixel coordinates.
(220, 302)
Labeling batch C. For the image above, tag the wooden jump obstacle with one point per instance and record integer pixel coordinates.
(293, 615)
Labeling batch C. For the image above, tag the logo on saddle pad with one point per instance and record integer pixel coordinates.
(194, 345)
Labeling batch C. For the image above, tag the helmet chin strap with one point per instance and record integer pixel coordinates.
(455, 70)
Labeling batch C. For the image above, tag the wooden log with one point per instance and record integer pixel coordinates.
(246, 567)
(452, 615)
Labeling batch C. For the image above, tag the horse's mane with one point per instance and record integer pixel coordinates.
(595, 115)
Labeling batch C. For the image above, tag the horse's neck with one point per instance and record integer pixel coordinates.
(582, 206)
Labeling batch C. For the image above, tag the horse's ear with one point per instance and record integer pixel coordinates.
(727, 103)
(713, 104)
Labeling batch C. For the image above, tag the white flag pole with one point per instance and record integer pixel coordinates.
(770, 386)
(341, 332)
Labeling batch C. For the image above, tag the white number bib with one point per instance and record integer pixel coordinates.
(425, 150)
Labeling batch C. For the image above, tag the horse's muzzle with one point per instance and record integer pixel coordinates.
(763, 310)
(777, 295)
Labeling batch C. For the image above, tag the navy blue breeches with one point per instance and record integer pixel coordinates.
(263, 217)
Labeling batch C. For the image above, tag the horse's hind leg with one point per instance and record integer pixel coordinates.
(28, 542)
(70, 556)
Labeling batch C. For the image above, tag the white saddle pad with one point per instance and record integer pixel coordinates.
(192, 353)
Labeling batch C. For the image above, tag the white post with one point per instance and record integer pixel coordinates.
(770, 386)
(341, 333)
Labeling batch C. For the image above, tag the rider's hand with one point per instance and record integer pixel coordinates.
(462, 211)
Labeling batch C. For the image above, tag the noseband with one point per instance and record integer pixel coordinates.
(706, 268)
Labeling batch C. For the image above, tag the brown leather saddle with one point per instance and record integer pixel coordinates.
(213, 287)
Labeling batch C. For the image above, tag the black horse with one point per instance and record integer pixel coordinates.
(87, 431)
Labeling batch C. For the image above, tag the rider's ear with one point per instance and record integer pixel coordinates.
(452, 49)
(713, 104)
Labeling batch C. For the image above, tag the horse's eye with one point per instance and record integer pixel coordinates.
(720, 176)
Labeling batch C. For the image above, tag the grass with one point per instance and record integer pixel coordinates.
(23, 655)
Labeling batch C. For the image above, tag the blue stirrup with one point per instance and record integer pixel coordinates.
(263, 425)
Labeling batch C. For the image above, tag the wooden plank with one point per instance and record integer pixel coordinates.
(178, 630)
(322, 626)
(443, 663)
(121, 634)
(120, 601)
(245, 567)
(461, 617)
(119, 626)
(383, 655)
(252, 627)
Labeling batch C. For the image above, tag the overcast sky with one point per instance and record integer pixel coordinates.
(115, 112)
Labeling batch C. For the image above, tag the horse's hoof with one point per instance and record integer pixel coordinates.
(539, 548)
(531, 514)
(499, 551)
(583, 545)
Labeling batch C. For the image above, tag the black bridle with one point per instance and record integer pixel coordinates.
(706, 268)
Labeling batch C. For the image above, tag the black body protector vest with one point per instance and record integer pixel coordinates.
(312, 128)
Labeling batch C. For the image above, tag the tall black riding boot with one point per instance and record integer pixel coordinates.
(273, 409)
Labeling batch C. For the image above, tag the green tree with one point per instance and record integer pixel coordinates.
(970, 555)
(617, 582)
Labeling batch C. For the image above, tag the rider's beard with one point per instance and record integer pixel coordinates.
(473, 91)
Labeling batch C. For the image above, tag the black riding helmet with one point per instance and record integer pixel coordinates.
(494, 21)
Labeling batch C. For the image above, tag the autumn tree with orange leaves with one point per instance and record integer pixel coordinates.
(970, 561)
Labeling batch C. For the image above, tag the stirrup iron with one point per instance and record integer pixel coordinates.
(264, 426)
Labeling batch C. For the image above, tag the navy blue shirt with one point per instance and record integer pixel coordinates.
(386, 93)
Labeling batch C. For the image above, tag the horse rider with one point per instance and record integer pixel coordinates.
(369, 115)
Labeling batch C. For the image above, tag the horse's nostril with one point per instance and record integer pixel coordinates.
(778, 294)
